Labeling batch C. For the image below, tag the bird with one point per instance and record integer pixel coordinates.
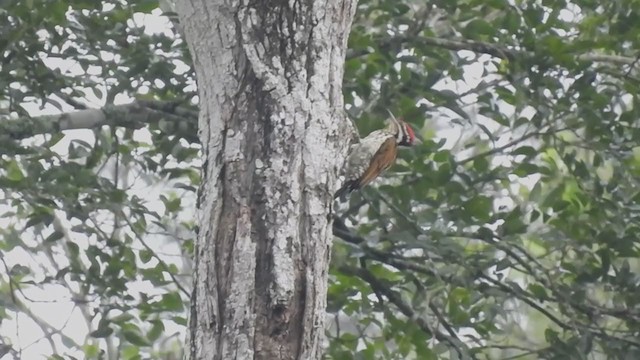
(374, 154)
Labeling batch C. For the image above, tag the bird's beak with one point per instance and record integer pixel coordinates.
(393, 117)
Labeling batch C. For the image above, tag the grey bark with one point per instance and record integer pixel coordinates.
(168, 117)
(274, 137)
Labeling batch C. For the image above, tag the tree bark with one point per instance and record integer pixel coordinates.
(169, 117)
(274, 137)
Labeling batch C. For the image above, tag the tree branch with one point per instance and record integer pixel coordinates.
(406, 309)
(168, 116)
(501, 52)
(342, 232)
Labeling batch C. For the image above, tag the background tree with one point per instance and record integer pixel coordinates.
(510, 233)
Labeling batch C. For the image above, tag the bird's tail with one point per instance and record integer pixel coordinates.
(345, 190)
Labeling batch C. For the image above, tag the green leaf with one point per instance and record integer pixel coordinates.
(131, 353)
(172, 205)
(554, 196)
(14, 173)
(91, 350)
(514, 223)
(145, 255)
(41, 217)
(538, 291)
(55, 138)
(526, 169)
(179, 320)
(442, 156)
(74, 249)
(479, 27)
(172, 302)
(525, 150)
(157, 329)
(122, 318)
(55, 236)
(481, 164)
(480, 207)
(135, 338)
(101, 332)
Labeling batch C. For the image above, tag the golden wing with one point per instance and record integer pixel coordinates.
(381, 161)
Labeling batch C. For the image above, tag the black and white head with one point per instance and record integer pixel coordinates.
(402, 130)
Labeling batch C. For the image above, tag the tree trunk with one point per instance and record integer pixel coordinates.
(274, 137)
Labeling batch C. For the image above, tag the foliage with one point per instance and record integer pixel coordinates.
(512, 231)
(98, 221)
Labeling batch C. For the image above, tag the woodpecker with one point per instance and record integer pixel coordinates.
(374, 154)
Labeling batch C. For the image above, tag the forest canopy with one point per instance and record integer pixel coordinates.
(511, 232)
